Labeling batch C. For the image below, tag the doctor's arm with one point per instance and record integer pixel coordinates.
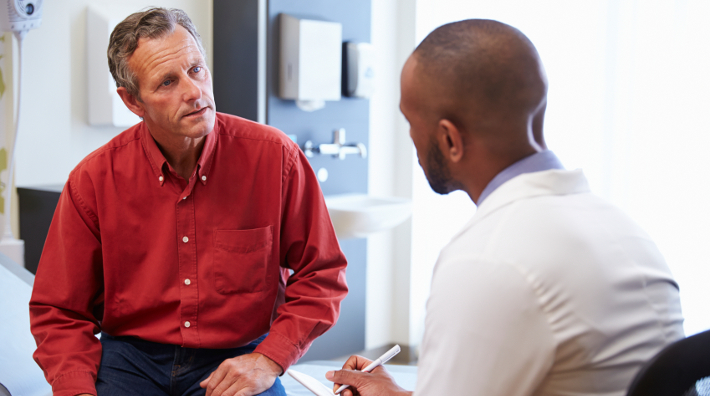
(484, 335)
(485, 332)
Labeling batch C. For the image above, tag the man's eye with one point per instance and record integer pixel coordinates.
(197, 69)
(166, 83)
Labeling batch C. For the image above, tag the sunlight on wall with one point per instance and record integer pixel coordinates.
(629, 85)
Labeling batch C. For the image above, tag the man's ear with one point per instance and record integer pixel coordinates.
(131, 102)
(537, 123)
(450, 140)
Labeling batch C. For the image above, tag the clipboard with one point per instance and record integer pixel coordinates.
(311, 383)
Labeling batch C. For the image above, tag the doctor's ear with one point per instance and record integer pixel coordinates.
(133, 104)
(450, 140)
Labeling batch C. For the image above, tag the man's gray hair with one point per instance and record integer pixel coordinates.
(151, 23)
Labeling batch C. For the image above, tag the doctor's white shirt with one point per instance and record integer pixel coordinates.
(548, 290)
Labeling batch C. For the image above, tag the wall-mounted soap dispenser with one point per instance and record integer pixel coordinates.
(310, 69)
(359, 70)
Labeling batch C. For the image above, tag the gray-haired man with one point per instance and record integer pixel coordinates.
(175, 239)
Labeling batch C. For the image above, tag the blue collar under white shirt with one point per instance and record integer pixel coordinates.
(538, 162)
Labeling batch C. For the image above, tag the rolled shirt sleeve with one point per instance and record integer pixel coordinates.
(310, 248)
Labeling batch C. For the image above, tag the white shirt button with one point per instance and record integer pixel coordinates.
(185, 239)
(187, 324)
(161, 178)
(185, 197)
(187, 282)
(204, 178)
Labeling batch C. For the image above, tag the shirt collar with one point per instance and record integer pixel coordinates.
(541, 161)
(552, 182)
(160, 165)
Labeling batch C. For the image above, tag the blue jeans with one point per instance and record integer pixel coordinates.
(130, 366)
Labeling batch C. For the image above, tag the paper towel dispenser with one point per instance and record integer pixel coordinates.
(310, 69)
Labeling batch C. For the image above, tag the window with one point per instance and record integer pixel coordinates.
(628, 102)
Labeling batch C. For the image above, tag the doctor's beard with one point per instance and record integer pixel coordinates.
(438, 174)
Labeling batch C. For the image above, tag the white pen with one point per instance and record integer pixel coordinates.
(380, 361)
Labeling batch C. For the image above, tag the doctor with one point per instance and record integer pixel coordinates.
(548, 290)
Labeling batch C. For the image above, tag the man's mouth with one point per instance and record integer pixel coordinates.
(197, 113)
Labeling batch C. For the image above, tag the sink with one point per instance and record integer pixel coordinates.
(359, 215)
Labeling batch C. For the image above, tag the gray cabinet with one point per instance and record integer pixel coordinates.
(37, 206)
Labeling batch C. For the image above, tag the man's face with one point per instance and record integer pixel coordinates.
(175, 87)
(416, 108)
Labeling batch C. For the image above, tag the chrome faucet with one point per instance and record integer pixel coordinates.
(337, 149)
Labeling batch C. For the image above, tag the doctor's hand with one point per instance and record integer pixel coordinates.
(244, 375)
(378, 382)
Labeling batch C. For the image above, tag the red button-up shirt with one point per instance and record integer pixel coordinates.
(135, 250)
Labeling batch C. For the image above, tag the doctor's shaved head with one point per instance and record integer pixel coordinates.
(482, 71)
(474, 93)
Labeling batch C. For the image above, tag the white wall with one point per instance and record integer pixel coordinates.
(390, 155)
(54, 131)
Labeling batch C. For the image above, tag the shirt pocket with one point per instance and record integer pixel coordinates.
(241, 259)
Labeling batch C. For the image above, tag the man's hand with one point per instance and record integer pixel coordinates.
(375, 383)
(244, 375)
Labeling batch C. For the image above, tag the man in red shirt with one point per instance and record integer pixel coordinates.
(175, 241)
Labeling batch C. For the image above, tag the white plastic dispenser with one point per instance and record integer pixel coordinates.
(360, 70)
(105, 106)
(310, 70)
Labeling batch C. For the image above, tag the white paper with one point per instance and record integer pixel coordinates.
(18, 371)
(311, 383)
(404, 376)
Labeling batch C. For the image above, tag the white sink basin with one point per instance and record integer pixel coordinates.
(359, 215)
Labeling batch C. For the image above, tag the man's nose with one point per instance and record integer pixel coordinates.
(191, 91)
